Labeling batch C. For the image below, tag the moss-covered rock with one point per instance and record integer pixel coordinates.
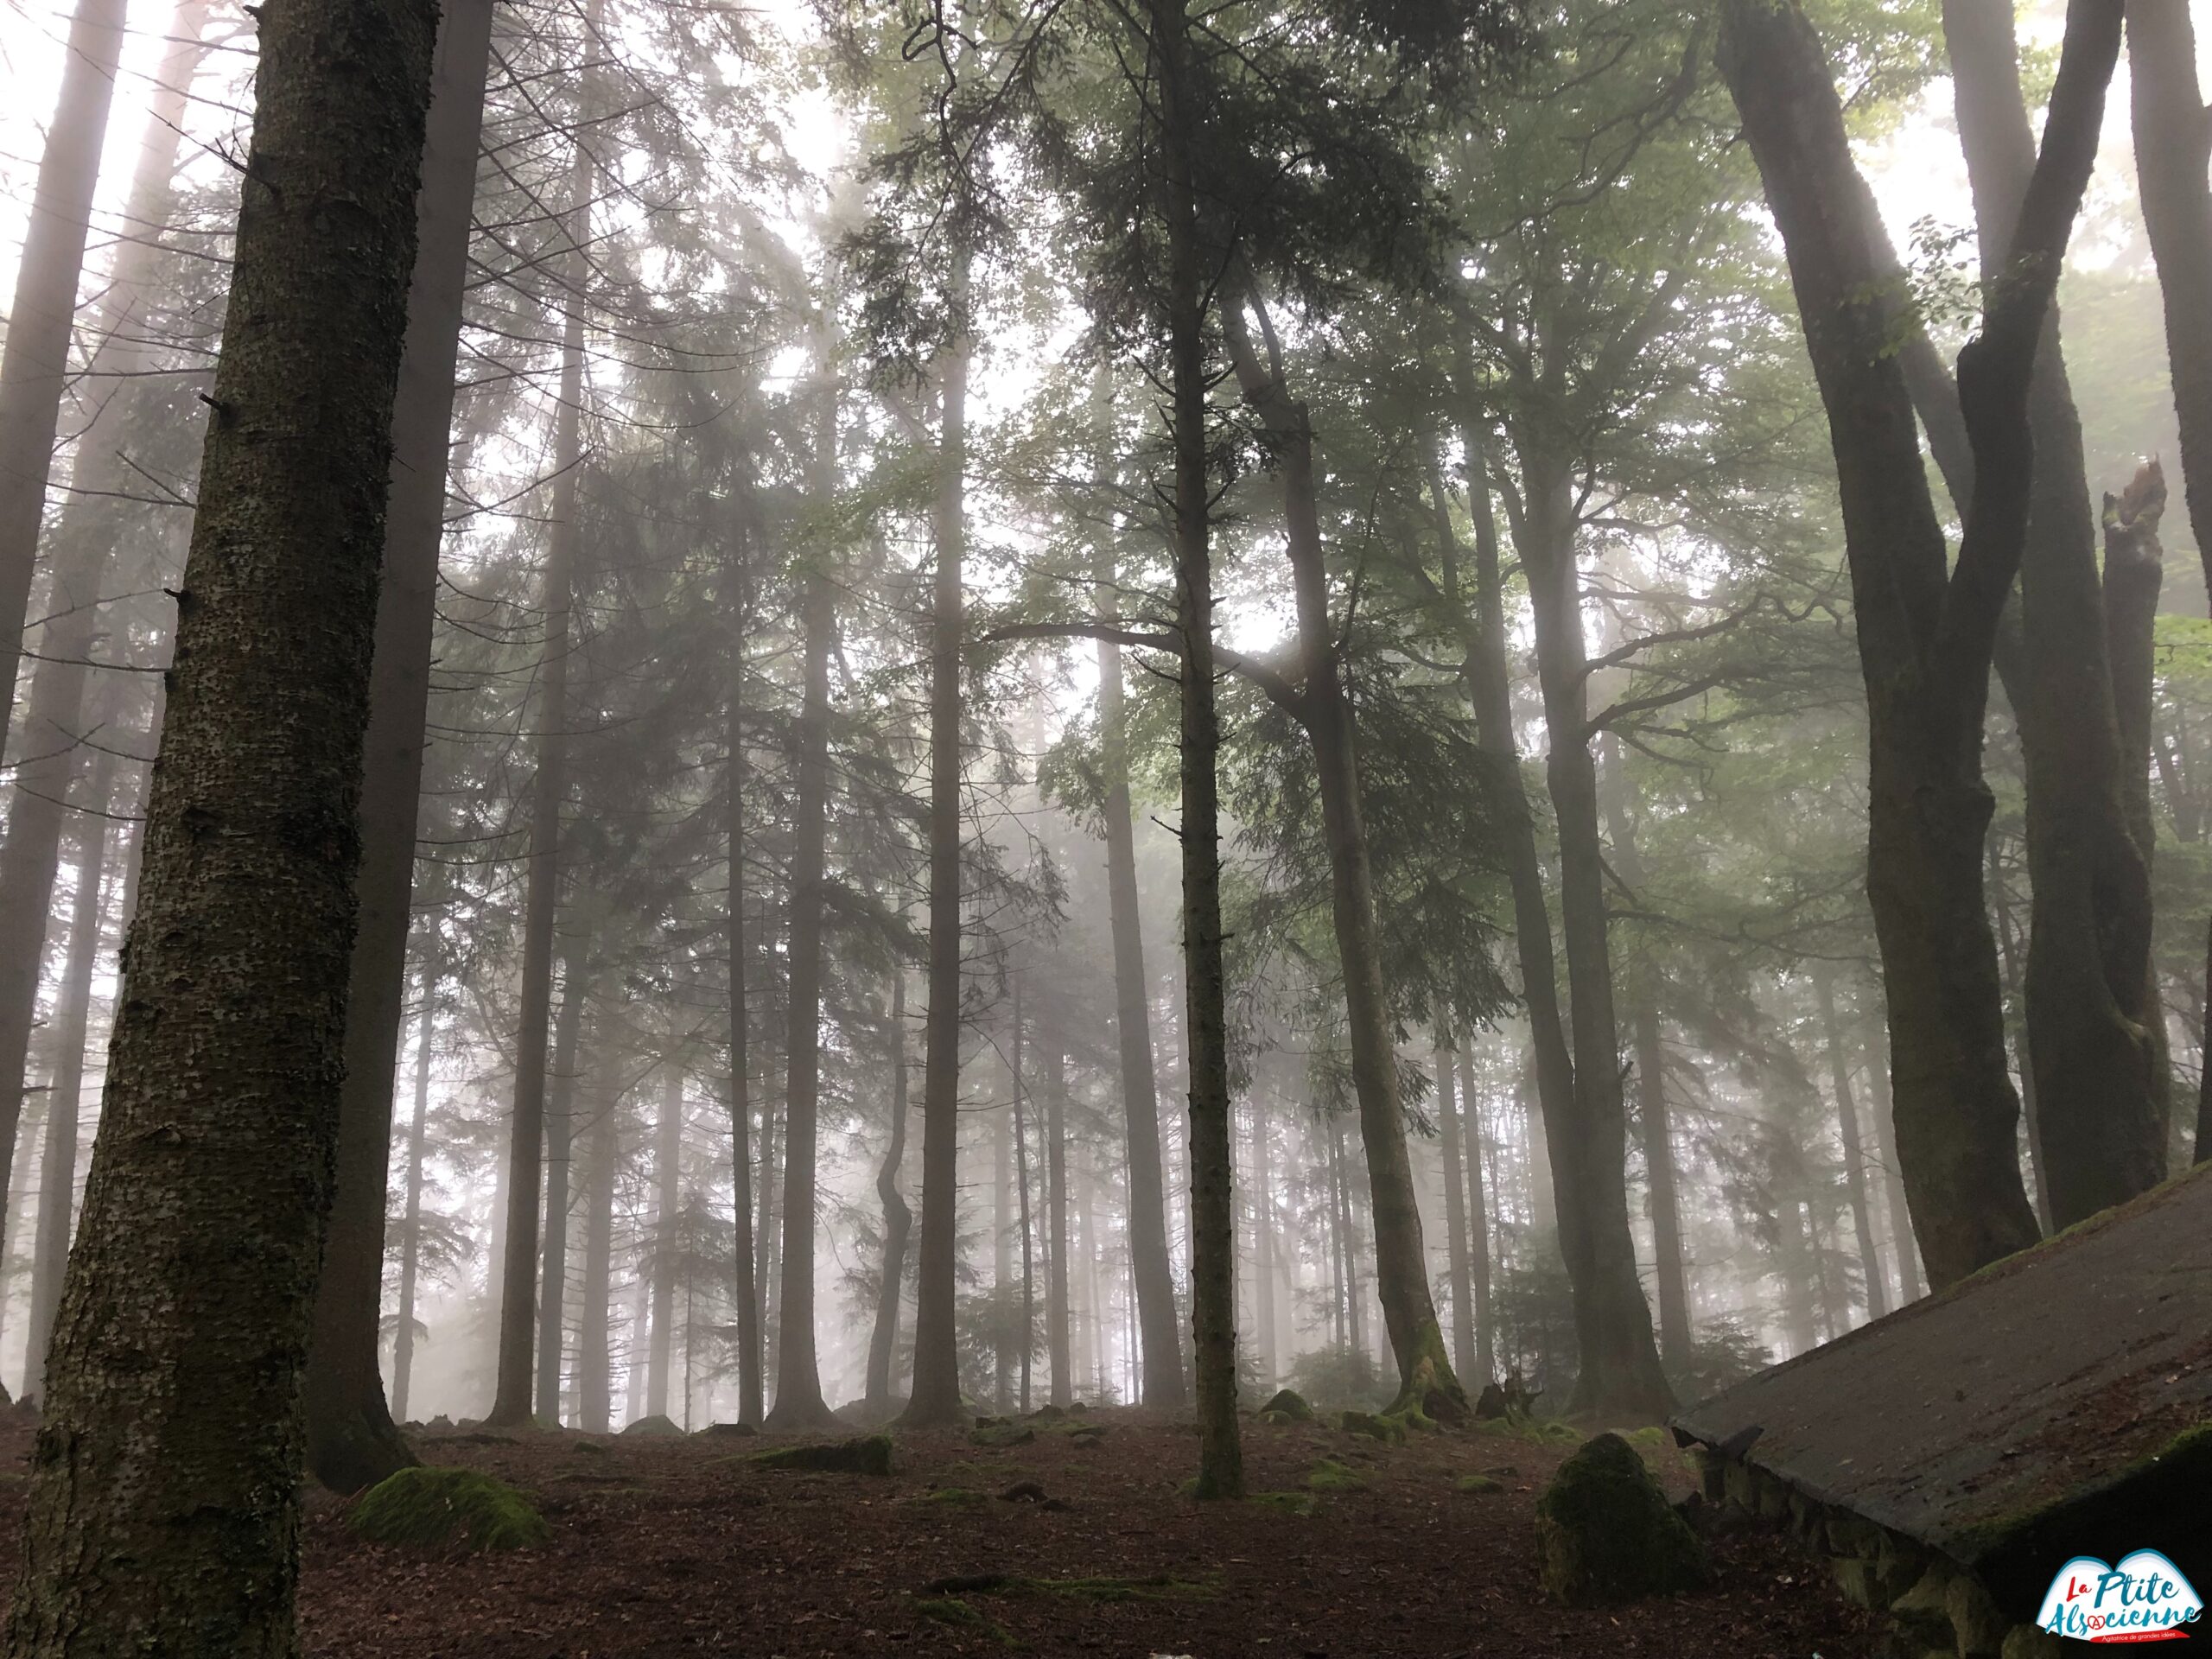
(434, 1507)
(1330, 1476)
(1605, 1533)
(1477, 1484)
(654, 1427)
(728, 1431)
(1001, 1434)
(1388, 1430)
(868, 1455)
(1286, 1406)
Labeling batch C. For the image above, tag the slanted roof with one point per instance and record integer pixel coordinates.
(2038, 1383)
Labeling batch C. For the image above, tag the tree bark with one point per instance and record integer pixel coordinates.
(1925, 640)
(1056, 1225)
(57, 1176)
(897, 1219)
(2100, 1107)
(163, 1511)
(1323, 706)
(34, 362)
(1205, 1033)
(936, 1398)
(1455, 1208)
(85, 538)
(747, 1287)
(548, 795)
(595, 1314)
(1478, 1257)
(351, 1442)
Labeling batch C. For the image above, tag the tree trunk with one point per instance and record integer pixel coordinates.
(560, 1141)
(594, 1313)
(86, 536)
(936, 1399)
(57, 1174)
(548, 794)
(34, 363)
(163, 1512)
(1455, 1207)
(1668, 1272)
(747, 1287)
(1205, 1033)
(1021, 1189)
(1925, 640)
(1056, 1226)
(1904, 1250)
(1148, 1260)
(351, 1440)
(668, 1225)
(897, 1219)
(1619, 1378)
(799, 1382)
(1478, 1220)
(410, 1236)
(1854, 1161)
(2100, 1110)
(1323, 706)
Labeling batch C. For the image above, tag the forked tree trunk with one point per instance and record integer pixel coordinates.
(163, 1511)
(897, 1219)
(2100, 1098)
(351, 1440)
(548, 796)
(1925, 637)
(936, 1398)
(1323, 706)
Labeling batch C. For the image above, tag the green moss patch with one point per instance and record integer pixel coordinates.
(1477, 1484)
(1605, 1533)
(437, 1507)
(952, 1610)
(1389, 1430)
(1330, 1476)
(999, 1436)
(1289, 1502)
(1286, 1406)
(868, 1455)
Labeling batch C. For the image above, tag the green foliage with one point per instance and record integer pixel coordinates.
(434, 1506)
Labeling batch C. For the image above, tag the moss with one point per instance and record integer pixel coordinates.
(433, 1506)
(1389, 1430)
(1605, 1533)
(1433, 1393)
(1330, 1476)
(1537, 1431)
(870, 1455)
(952, 1610)
(1001, 1435)
(1289, 1502)
(1286, 1406)
(1477, 1484)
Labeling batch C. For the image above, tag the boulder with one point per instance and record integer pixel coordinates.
(655, 1427)
(868, 1456)
(433, 1507)
(1605, 1533)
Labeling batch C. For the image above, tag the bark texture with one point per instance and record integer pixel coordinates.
(163, 1511)
(897, 1219)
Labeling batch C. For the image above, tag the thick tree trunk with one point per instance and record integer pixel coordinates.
(351, 1440)
(34, 363)
(560, 1141)
(163, 1513)
(2100, 1103)
(82, 548)
(897, 1219)
(1206, 1033)
(1854, 1160)
(1668, 1274)
(1904, 1250)
(1925, 640)
(1619, 1378)
(548, 795)
(1323, 706)
(410, 1236)
(668, 1227)
(936, 1397)
(57, 1174)
(799, 1382)
(1148, 1263)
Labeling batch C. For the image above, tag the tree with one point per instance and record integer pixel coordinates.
(1925, 637)
(173, 1435)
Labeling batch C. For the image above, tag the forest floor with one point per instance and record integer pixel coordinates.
(678, 1546)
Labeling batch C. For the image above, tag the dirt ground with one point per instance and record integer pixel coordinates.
(683, 1546)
